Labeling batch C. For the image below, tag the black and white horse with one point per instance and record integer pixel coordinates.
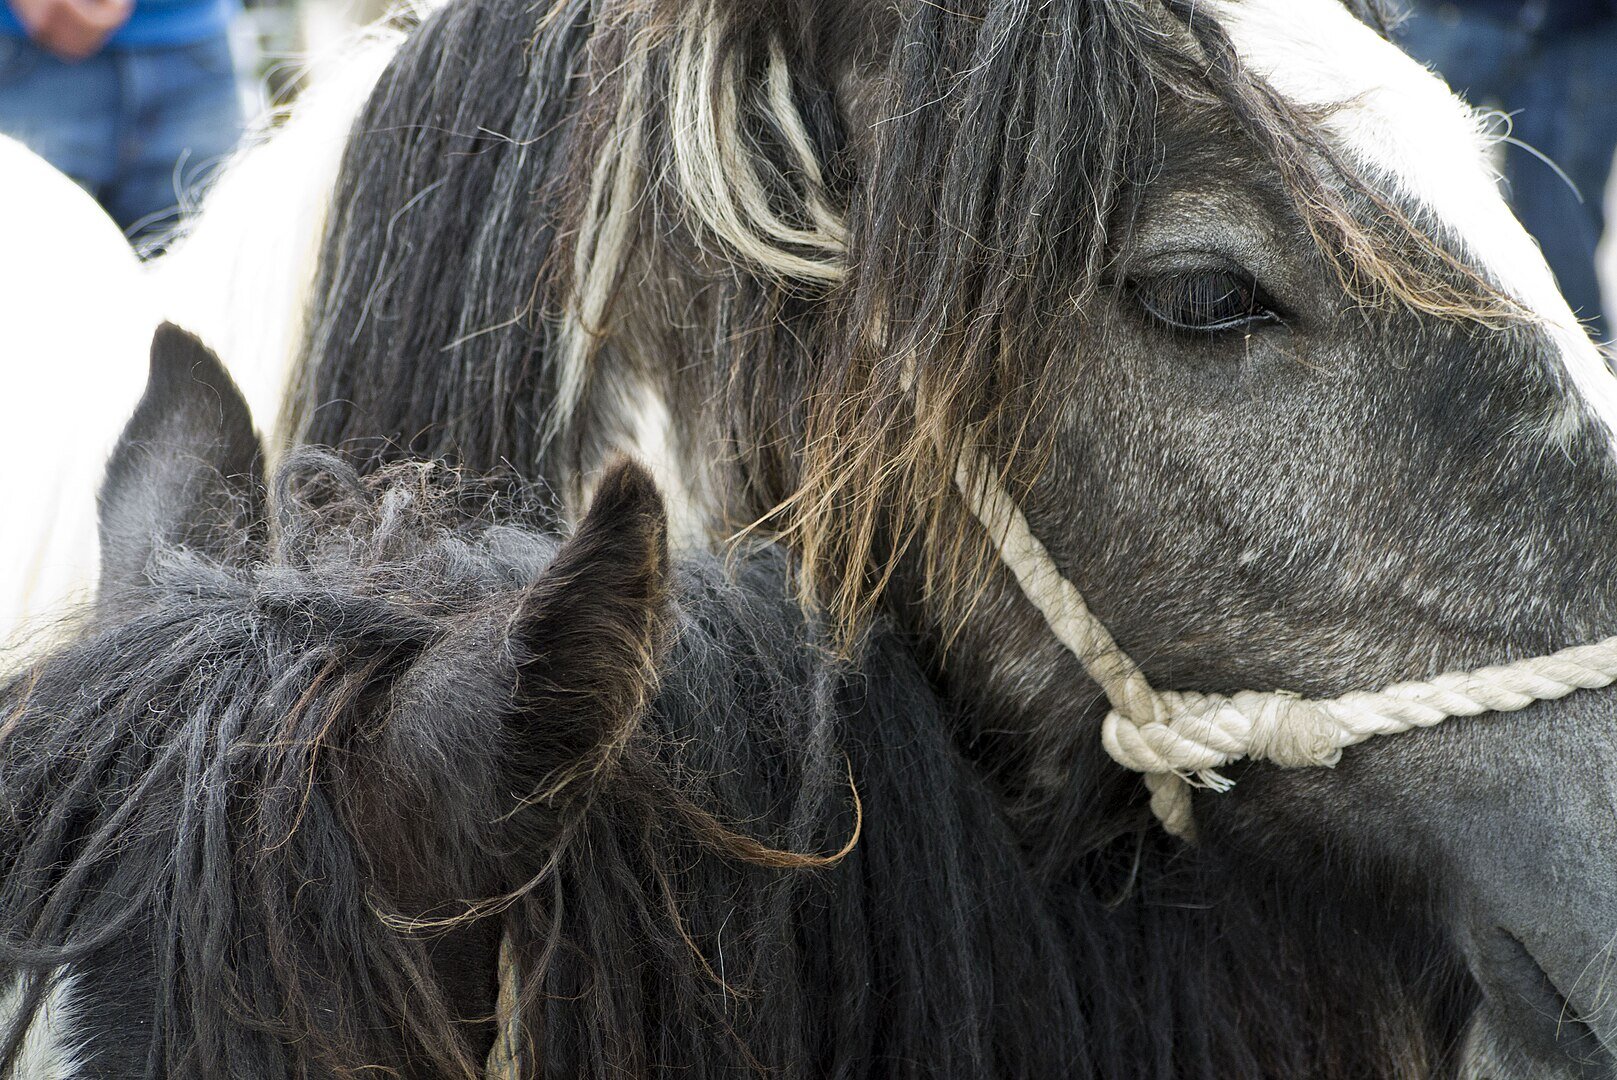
(1225, 293)
(330, 763)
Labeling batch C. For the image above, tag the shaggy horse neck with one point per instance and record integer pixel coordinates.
(191, 772)
(938, 946)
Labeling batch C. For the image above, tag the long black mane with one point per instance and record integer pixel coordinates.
(188, 790)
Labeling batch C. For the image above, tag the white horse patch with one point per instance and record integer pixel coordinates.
(46, 1053)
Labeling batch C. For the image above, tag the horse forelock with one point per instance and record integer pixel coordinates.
(799, 215)
(958, 238)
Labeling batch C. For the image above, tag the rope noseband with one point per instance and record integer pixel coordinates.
(1179, 739)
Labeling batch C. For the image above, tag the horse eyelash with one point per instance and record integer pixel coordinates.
(1170, 299)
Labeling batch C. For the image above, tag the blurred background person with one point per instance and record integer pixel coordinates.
(134, 99)
(1552, 66)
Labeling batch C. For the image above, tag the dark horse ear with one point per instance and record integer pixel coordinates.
(187, 469)
(569, 671)
(587, 632)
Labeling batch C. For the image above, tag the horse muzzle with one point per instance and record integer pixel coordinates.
(1539, 1020)
(1537, 918)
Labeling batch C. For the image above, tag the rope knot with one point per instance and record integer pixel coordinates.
(1288, 729)
(1177, 731)
(1180, 739)
(1189, 733)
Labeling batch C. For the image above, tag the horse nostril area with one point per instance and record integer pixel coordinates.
(1530, 1026)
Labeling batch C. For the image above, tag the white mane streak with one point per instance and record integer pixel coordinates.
(46, 1053)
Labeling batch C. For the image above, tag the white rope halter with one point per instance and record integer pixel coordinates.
(1180, 738)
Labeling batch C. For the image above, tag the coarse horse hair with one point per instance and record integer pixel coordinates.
(824, 247)
(270, 789)
(683, 179)
(276, 808)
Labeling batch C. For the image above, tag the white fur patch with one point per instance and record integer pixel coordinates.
(75, 329)
(77, 357)
(46, 1053)
(1394, 119)
(654, 445)
(242, 276)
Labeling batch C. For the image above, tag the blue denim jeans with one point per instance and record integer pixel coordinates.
(137, 127)
(1561, 90)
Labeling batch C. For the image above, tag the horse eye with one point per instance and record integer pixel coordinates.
(1206, 301)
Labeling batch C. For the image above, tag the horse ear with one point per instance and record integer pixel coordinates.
(570, 670)
(188, 468)
(587, 632)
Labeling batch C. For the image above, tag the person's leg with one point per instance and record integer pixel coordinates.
(65, 113)
(187, 118)
(1567, 115)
